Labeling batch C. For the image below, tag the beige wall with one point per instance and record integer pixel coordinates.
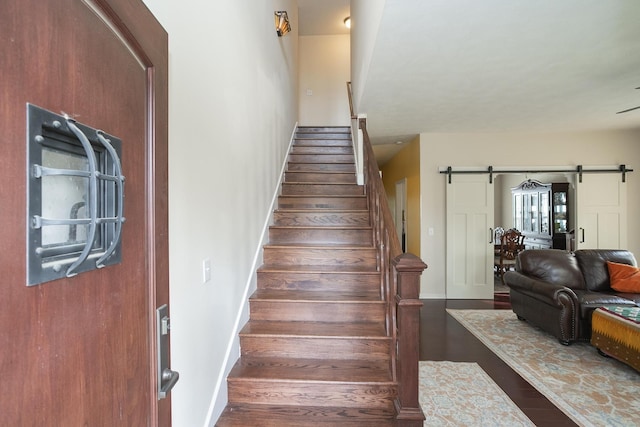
(324, 71)
(406, 164)
(513, 150)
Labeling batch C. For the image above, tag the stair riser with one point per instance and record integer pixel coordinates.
(320, 130)
(305, 416)
(313, 311)
(321, 167)
(298, 202)
(322, 135)
(321, 158)
(354, 219)
(362, 237)
(311, 141)
(323, 348)
(321, 150)
(364, 258)
(323, 177)
(326, 282)
(323, 129)
(311, 394)
(292, 189)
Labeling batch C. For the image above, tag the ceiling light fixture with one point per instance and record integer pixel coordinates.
(282, 23)
(347, 22)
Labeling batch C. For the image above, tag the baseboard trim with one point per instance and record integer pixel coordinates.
(220, 398)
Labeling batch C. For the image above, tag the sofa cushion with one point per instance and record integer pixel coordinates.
(593, 264)
(588, 301)
(635, 298)
(623, 277)
(551, 265)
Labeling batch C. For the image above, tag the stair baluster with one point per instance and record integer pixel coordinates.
(400, 286)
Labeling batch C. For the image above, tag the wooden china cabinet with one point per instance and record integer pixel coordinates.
(541, 213)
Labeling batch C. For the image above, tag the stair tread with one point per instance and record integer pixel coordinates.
(350, 330)
(303, 245)
(321, 128)
(341, 184)
(324, 196)
(323, 172)
(321, 246)
(321, 211)
(348, 296)
(314, 163)
(342, 269)
(322, 227)
(327, 137)
(311, 370)
(323, 135)
(257, 415)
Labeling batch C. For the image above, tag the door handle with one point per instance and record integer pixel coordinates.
(168, 380)
(581, 235)
(490, 235)
(166, 377)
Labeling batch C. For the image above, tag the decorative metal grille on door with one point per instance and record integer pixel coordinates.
(75, 197)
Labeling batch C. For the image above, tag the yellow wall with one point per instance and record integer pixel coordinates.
(406, 164)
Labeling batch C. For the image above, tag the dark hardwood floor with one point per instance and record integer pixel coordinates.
(443, 338)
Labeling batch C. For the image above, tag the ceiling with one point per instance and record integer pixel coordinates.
(468, 66)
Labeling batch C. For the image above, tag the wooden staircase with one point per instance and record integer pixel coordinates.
(316, 350)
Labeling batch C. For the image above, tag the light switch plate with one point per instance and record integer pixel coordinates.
(206, 270)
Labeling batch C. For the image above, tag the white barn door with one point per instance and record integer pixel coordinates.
(469, 237)
(601, 212)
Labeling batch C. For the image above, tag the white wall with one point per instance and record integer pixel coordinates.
(515, 150)
(233, 107)
(324, 67)
(365, 20)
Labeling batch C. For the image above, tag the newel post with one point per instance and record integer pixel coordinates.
(408, 269)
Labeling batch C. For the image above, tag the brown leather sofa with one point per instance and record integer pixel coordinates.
(558, 290)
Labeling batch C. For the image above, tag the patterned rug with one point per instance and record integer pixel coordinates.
(591, 389)
(462, 394)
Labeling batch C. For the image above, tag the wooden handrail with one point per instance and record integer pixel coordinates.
(350, 93)
(400, 284)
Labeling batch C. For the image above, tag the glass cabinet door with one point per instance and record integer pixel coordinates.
(526, 213)
(544, 213)
(560, 212)
(535, 213)
(517, 211)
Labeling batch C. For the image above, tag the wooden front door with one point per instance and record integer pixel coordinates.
(81, 351)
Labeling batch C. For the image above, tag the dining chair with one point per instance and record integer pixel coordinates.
(511, 243)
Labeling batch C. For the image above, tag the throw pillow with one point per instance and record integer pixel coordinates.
(623, 277)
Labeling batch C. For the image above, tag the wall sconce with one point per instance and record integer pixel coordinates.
(282, 23)
(347, 22)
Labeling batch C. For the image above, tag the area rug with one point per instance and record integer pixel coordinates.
(462, 394)
(591, 389)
